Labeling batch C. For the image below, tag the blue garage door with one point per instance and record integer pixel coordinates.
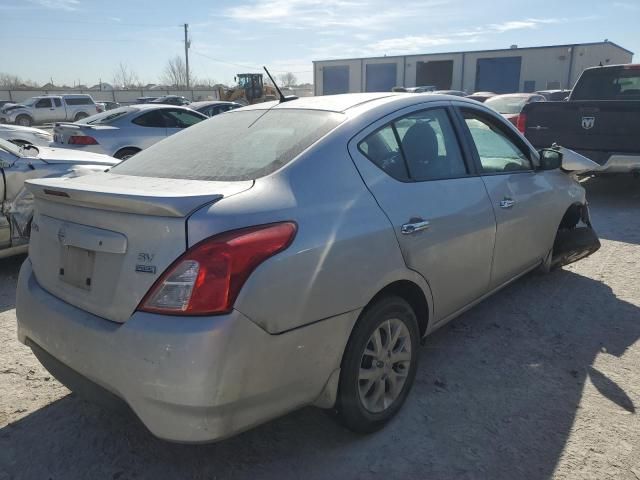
(335, 80)
(499, 75)
(381, 77)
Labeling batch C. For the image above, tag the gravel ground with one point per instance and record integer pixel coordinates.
(539, 381)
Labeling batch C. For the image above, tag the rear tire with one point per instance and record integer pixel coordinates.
(80, 116)
(24, 120)
(126, 153)
(378, 368)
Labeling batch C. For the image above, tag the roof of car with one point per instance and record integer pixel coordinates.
(333, 103)
(516, 95)
(210, 102)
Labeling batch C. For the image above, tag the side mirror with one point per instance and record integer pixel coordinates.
(550, 159)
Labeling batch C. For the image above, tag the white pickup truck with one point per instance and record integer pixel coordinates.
(49, 109)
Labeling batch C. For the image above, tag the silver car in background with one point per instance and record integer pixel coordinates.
(124, 131)
(289, 254)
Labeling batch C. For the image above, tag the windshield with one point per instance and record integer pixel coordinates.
(239, 145)
(10, 147)
(608, 84)
(506, 104)
(30, 101)
(106, 117)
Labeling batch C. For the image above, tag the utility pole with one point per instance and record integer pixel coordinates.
(187, 44)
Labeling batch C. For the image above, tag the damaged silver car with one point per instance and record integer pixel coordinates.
(18, 164)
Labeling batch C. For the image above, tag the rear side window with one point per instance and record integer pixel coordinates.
(418, 147)
(58, 102)
(241, 145)
(78, 101)
(608, 84)
(153, 119)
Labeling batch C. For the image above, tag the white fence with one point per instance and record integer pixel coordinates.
(120, 96)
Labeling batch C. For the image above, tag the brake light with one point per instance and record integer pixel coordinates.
(207, 278)
(521, 123)
(82, 140)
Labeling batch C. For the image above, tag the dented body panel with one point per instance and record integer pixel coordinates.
(16, 202)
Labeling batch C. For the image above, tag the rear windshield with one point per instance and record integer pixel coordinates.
(608, 84)
(506, 104)
(105, 118)
(240, 145)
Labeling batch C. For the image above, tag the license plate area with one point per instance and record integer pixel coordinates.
(77, 267)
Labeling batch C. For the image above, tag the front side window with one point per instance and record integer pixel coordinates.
(180, 118)
(497, 152)
(44, 103)
(420, 146)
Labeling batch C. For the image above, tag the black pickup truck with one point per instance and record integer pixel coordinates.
(600, 120)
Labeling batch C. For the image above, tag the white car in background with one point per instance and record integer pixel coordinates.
(25, 135)
(125, 131)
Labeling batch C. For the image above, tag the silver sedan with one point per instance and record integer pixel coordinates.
(296, 254)
(125, 131)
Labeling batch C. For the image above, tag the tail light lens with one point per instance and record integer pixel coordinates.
(207, 278)
(521, 123)
(82, 140)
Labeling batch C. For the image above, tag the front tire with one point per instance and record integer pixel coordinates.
(379, 365)
(24, 120)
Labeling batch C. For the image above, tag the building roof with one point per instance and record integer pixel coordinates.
(569, 45)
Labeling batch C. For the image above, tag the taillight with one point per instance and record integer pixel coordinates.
(521, 122)
(207, 278)
(82, 140)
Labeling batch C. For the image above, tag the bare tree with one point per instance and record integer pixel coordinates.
(288, 79)
(8, 80)
(175, 73)
(125, 77)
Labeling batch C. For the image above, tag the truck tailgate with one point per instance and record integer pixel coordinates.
(594, 128)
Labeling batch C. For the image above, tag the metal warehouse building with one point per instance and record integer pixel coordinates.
(501, 71)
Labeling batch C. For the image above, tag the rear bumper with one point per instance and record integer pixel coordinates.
(613, 162)
(189, 379)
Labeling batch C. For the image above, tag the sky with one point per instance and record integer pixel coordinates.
(84, 41)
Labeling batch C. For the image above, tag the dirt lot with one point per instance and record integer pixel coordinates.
(539, 381)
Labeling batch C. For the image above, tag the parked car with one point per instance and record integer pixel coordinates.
(49, 109)
(510, 105)
(214, 107)
(287, 254)
(25, 135)
(554, 95)
(481, 96)
(125, 131)
(171, 100)
(110, 105)
(455, 93)
(145, 99)
(601, 119)
(18, 164)
(420, 89)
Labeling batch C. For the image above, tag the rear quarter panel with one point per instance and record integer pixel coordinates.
(344, 252)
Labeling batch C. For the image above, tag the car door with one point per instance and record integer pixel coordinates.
(44, 111)
(520, 197)
(178, 119)
(418, 173)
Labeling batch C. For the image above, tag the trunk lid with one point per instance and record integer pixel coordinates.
(100, 241)
(63, 131)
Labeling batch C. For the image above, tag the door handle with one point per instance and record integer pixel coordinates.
(507, 203)
(409, 228)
